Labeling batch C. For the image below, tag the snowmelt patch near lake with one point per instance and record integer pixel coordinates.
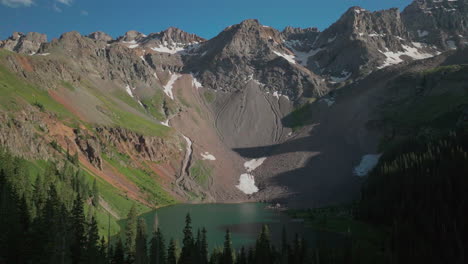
(170, 83)
(247, 184)
(207, 156)
(247, 180)
(368, 162)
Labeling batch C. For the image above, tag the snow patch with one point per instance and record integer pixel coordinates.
(331, 39)
(129, 91)
(288, 57)
(251, 165)
(207, 156)
(170, 84)
(394, 57)
(368, 162)
(196, 83)
(43, 54)
(247, 184)
(165, 123)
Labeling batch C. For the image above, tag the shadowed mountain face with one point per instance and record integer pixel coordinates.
(191, 112)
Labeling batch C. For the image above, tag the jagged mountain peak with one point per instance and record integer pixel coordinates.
(100, 36)
(28, 43)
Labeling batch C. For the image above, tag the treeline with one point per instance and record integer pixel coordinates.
(45, 222)
(421, 195)
(194, 248)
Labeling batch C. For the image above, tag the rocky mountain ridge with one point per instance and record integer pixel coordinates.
(195, 114)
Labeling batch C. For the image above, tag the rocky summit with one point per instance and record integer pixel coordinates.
(253, 114)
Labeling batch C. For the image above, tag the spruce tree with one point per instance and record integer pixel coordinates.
(93, 250)
(172, 252)
(242, 258)
(119, 253)
(263, 246)
(78, 231)
(227, 250)
(158, 248)
(141, 252)
(204, 247)
(188, 247)
(130, 233)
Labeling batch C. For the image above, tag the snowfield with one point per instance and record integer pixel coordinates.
(170, 84)
(246, 180)
(251, 165)
(207, 156)
(368, 162)
(394, 57)
(247, 184)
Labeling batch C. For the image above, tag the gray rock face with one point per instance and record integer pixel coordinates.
(440, 23)
(27, 44)
(251, 51)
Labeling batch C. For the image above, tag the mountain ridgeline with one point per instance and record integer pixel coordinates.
(363, 111)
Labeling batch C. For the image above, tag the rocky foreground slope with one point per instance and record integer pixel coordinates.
(251, 114)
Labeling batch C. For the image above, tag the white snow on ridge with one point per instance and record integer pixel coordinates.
(368, 162)
(247, 184)
(288, 57)
(43, 54)
(394, 57)
(207, 156)
(252, 164)
(170, 83)
(170, 50)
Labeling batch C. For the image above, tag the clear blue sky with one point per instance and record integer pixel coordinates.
(203, 17)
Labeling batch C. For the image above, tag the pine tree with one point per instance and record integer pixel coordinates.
(204, 247)
(172, 252)
(242, 258)
(119, 253)
(141, 253)
(130, 234)
(92, 247)
(227, 250)
(188, 248)
(158, 248)
(263, 247)
(78, 231)
(284, 247)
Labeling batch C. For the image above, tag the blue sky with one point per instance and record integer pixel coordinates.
(203, 17)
